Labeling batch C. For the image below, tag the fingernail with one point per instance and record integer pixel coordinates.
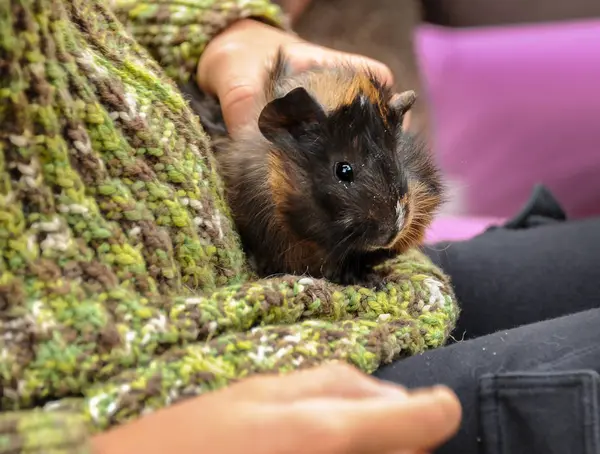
(444, 399)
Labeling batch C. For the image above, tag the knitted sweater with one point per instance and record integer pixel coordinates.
(123, 286)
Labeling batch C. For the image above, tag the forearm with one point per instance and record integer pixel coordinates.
(176, 32)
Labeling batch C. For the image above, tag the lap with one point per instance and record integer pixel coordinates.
(529, 390)
(537, 267)
(527, 373)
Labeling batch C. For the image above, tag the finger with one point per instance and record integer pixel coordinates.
(336, 380)
(379, 69)
(306, 55)
(343, 380)
(238, 84)
(328, 59)
(422, 421)
(237, 105)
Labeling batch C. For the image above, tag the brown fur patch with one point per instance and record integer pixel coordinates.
(360, 84)
(278, 180)
(420, 206)
(304, 256)
(299, 256)
(336, 89)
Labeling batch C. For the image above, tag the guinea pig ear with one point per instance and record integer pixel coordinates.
(402, 102)
(290, 115)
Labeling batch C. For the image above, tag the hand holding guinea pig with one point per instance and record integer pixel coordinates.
(232, 66)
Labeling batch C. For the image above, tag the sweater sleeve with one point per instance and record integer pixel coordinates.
(285, 324)
(176, 32)
(177, 347)
(37, 431)
(184, 346)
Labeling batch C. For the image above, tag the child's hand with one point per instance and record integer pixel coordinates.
(233, 65)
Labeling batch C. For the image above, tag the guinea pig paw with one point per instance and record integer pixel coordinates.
(366, 278)
(344, 277)
(375, 281)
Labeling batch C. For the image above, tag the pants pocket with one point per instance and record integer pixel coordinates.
(540, 412)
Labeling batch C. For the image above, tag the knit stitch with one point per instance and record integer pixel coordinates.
(123, 286)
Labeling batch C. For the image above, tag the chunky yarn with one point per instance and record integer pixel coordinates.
(123, 287)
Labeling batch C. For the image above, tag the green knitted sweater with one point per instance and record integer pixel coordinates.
(123, 287)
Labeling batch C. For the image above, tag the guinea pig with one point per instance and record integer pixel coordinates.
(326, 182)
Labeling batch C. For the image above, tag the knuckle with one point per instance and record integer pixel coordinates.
(347, 377)
(214, 56)
(238, 94)
(236, 104)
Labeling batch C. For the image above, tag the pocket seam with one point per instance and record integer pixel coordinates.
(586, 383)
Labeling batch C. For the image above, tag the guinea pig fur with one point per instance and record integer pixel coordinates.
(325, 182)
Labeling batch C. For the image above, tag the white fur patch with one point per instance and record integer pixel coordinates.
(399, 215)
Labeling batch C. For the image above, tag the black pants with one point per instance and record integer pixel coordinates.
(525, 356)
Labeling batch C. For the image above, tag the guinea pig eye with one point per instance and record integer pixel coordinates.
(344, 172)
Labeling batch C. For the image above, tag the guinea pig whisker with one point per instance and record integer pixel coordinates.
(260, 214)
(354, 238)
(294, 245)
(341, 245)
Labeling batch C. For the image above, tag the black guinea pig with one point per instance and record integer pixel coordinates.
(325, 182)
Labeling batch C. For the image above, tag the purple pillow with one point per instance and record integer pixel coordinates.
(515, 106)
(458, 228)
